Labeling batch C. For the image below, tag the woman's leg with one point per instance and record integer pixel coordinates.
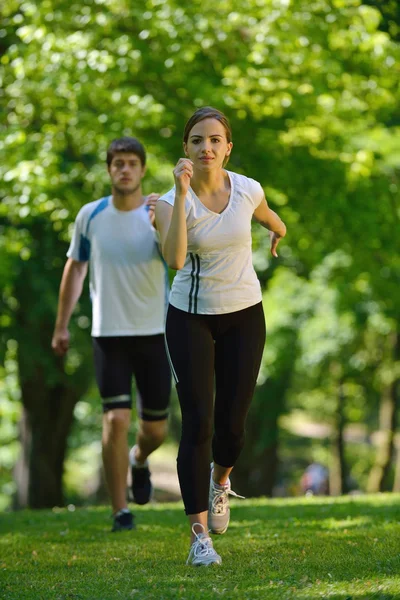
(238, 350)
(191, 352)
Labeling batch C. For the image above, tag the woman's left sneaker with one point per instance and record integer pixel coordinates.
(218, 506)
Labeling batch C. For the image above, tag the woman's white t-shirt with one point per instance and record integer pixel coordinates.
(218, 275)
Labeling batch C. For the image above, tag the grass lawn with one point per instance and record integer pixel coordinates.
(342, 548)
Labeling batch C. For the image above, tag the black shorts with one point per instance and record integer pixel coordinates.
(117, 359)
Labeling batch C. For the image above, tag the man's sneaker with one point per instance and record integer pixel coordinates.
(202, 553)
(140, 480)
(218, 506)
(123, 520)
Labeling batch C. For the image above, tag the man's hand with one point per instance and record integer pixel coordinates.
(275, 239)
(151, 201)
(60, 341)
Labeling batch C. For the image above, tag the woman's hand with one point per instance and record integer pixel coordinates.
(275, 238)
(183, 173)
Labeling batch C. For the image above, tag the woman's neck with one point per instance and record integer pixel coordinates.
(208, 183)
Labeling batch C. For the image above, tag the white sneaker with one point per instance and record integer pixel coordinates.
(201, 552)
(218, 506)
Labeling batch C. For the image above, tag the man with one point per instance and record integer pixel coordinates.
(129, 289)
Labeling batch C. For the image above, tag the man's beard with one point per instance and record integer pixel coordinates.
(125, 191)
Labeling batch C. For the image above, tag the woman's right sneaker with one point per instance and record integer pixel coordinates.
(202, 553)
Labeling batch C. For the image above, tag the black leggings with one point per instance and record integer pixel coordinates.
(231, 346)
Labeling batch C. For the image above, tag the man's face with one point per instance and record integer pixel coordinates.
(126, 172)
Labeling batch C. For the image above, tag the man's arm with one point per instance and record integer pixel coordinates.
(70, 290)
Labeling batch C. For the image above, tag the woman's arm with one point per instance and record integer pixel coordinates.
(171, 220)
(171, 225)
(270, 220)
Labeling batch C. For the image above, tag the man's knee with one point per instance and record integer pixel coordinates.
(116, 422)
(154, 430)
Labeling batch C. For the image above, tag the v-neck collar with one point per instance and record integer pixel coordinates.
(226, 207)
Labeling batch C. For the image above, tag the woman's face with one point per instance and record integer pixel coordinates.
(207, 145)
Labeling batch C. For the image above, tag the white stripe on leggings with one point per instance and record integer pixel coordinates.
(170, 361)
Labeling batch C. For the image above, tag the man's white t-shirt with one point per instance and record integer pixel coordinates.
(218, 276)
(128, 277)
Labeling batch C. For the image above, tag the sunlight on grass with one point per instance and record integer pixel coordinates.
(274, 549)
(349, 523)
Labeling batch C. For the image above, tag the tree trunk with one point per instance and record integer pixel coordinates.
(255, 473)
(396, 483)
(377, 481)
(45, 424)
(338, 470)
(48, 393)
(264, 472)
(21, 469)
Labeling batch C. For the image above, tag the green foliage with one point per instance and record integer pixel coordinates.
(312, 93)
(390, 12)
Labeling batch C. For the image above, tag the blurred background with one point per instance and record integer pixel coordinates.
(312, 89)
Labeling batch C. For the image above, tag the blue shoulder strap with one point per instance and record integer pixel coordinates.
(84, 242)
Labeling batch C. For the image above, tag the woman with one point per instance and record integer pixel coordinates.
(215, 322)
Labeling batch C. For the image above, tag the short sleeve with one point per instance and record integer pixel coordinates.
(256, 192)
(169, 197)
(79, 248)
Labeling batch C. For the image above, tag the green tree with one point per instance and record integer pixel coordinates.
(312, 93)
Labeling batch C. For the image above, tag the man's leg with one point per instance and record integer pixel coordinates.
(150, 436)
(115, 454)
(153, 382)
(114, 379)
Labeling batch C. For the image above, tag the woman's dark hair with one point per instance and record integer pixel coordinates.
(207, 112)
(126, 144)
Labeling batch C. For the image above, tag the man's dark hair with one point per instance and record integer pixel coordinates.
(126, 144)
